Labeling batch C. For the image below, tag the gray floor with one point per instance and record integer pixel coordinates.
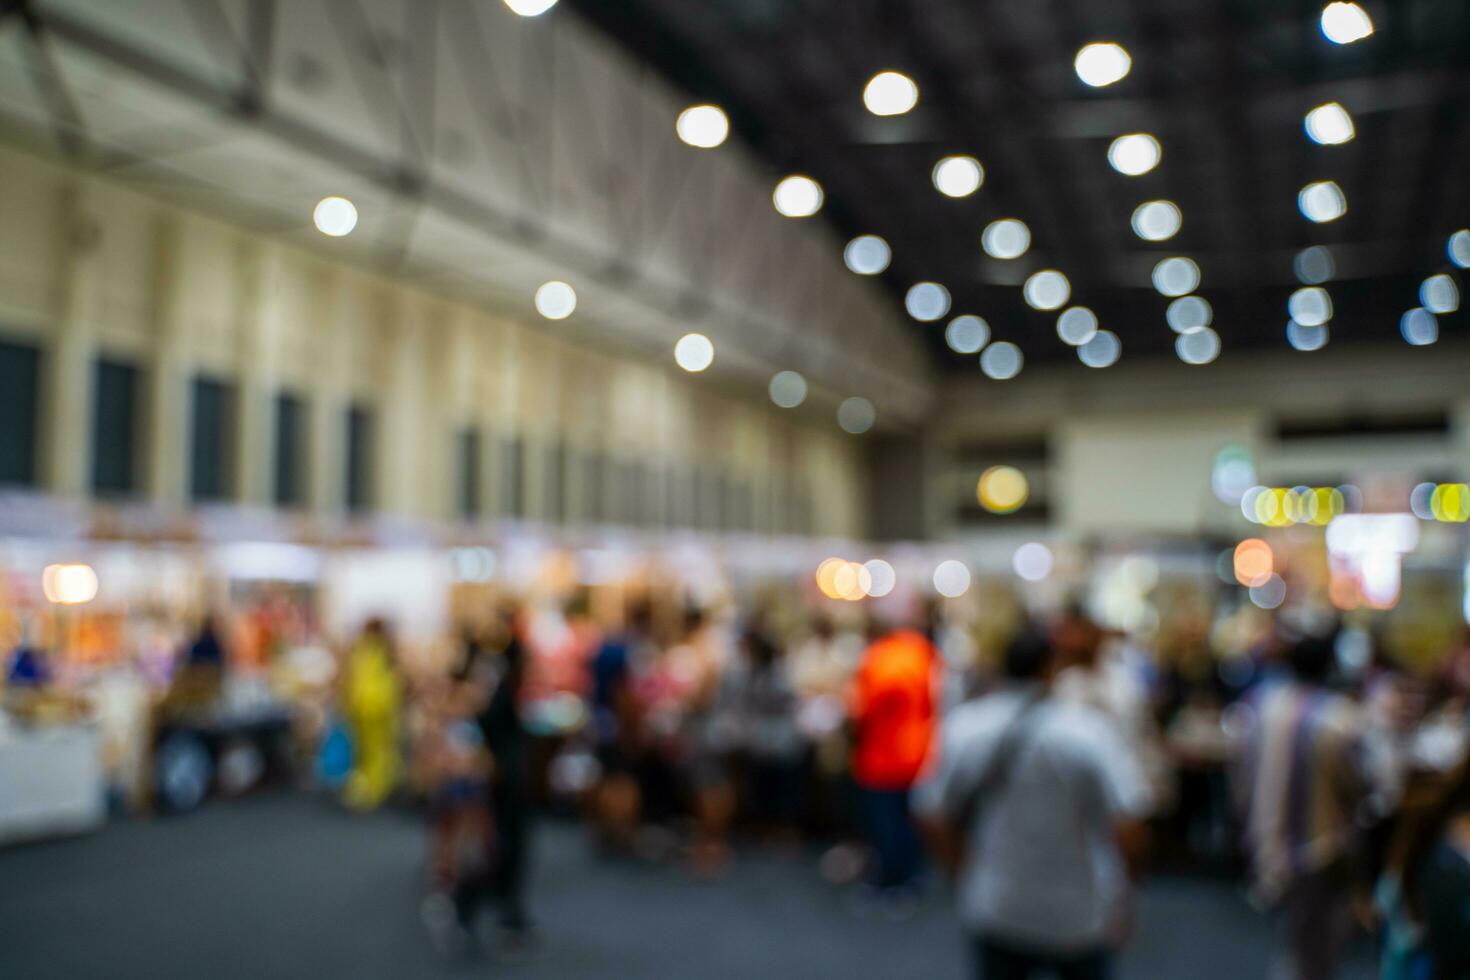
(286, 887)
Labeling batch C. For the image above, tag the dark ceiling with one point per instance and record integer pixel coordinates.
(1223, 84)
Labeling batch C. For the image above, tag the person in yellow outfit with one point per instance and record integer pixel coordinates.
(371, 698)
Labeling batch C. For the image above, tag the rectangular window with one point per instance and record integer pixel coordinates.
(211, 408)
(290, 458)
(706, 499)
(114, 428)
(683, 486)
(467, 473)
(513, 478)
(359, 495)
(744, 508)
(594, 489)
(556, 484)
(724, 504)
(621, 494)
(644, 503)
(19, 389)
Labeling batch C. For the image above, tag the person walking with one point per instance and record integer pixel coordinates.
(1312, 773)
(371, 702)
(504, 878)
(1035, 806)
(894, 711)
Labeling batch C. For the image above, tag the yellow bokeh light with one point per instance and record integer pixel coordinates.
(853, 582)
(1271, 508)
(1323, 504)
(827, 576)
(844, 580)
(1003, 489)
(1294, 506)
(838, 578)
(69, 585)
(1283, 507)
(1450, 503)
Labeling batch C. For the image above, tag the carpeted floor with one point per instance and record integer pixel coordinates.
(287, 886)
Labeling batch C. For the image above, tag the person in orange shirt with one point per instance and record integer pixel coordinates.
(895, 711)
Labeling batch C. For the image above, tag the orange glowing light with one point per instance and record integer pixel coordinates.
(1254, 562)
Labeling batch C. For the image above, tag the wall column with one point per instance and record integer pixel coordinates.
(67, 393)
(262, 319)
(327, 427)
(166, 418)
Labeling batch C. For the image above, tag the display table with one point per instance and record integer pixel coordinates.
(50, 781)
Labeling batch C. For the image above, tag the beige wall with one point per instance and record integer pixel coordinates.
(88, 266)
(1130, 449)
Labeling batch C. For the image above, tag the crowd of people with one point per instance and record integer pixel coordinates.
(1043, 780)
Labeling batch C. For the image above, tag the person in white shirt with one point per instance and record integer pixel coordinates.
(1044, 797)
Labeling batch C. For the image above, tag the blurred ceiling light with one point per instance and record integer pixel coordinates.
(1305, 338)
(788, 389)
(1047, 290)
(1330, 125)
(1077, 325)
(1032, 561)
(1458, 248)
(1311, 306)
(530, 8)
(1198, 346)
(881, 576)
(1157, 221)
(1344, 23)
(798, 196)
(694, 352)
(1419, 327)
(1322, 201)
(1001, 361)
(1102, 63)
(1189, 313)
(704, 126)
(926, 301)
(1002, 489)
(1176, 277)
(856, 415)
(1314, 265)
(1439, 294)
(1134, 154)
(867, 255)
(555, 300)
(958, 176)
(335, 216)
(69, 585)
(967, 334)
(890, 93)
(1008, 238)
(951, 579)
(1102, 351)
